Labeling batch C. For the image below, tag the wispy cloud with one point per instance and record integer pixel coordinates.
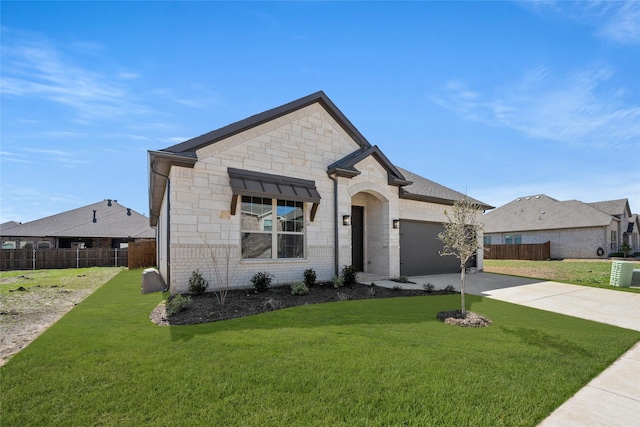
(62, 158)
(580, 107)
(25, 204)
(33, 67)
(618, 21)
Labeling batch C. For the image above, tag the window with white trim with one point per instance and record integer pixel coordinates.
(270, 236)
(44, 245)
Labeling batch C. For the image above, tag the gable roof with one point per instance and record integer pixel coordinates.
(345, 167)
(112, 221)
(613, 207)
(191, 145)
(541, 212)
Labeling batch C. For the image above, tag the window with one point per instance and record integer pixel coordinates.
(515, 239)
(265, 235)
(614, 240)
(26, 245)
(44, 245)
(487, 240)
(8, 245)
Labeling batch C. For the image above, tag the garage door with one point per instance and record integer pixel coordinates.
(419, 246)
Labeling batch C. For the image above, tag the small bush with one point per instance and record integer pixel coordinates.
(349, 275)
(337, 282)
(403, 279)
(197, 283)
(342, 297)
(371, 291)
(428, 287)
(396, 288)
(273, 304)
(450, 288)
(309, 277)
(261, 281)
(176, 304)
(299, 289)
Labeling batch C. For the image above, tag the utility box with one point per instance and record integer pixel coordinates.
(621, 273)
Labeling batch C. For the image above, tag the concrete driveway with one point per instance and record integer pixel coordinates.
(610, 399)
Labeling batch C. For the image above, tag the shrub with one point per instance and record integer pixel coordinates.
(450, 288)
(197, 283)
(309, 277)
(403, 279)
(176, 304)
(273, 304)
(349, 275)
(261, 281)
(396, 288)
(428, 287)
(342, 297)
(299, 289)
(337, 282)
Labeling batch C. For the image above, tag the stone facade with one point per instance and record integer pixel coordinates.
(202, 229)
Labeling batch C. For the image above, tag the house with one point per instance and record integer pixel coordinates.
(575, 229)
(105, 224)
(289, 189)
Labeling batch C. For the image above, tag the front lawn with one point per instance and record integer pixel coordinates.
(368, 362)
(589, 273)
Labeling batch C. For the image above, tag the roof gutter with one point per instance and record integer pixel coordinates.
(336, 249)
(168, 190)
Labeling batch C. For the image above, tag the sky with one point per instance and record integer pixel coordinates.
(497, 100)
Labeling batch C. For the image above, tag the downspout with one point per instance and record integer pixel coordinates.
(166, 177)
(336, 249)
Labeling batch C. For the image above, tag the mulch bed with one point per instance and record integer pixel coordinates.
(239, 303)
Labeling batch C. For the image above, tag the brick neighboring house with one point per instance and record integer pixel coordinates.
(105, 224)
(292, 188)
(575, 229)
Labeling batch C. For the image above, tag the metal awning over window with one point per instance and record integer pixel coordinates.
(257, 184)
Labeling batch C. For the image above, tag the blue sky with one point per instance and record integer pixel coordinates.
(494, 99)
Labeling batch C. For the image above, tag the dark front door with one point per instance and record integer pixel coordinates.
(357, 237)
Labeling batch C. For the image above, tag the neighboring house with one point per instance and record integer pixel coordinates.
(105, 224)
(289, 189)
(575, 229)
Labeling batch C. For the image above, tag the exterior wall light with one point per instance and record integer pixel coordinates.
(346, 219)
(396, 223)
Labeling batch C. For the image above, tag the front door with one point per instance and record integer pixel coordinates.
(357, 237)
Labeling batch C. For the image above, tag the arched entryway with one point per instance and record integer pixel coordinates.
(370, 232)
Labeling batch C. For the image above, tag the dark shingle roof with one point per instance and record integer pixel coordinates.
(542, 212)
(111, 221)
(423, 189)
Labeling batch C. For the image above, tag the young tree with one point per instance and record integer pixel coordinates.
(460, 235)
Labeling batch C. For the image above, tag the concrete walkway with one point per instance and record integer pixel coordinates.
(613, 397)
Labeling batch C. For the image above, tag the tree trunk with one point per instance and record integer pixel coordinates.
(464, 310)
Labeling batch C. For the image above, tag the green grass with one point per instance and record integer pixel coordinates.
(588, 273)
(369, 362)
(71, 279)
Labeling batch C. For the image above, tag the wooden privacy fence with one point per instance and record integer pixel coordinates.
(37, 259)
(142, 254)
(533, 252)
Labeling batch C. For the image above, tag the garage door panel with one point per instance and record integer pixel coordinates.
(419, 250)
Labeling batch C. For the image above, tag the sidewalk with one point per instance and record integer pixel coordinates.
(613, 397)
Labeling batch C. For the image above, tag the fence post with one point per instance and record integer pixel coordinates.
(116, 254)
(33, 258)
(78, 257)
